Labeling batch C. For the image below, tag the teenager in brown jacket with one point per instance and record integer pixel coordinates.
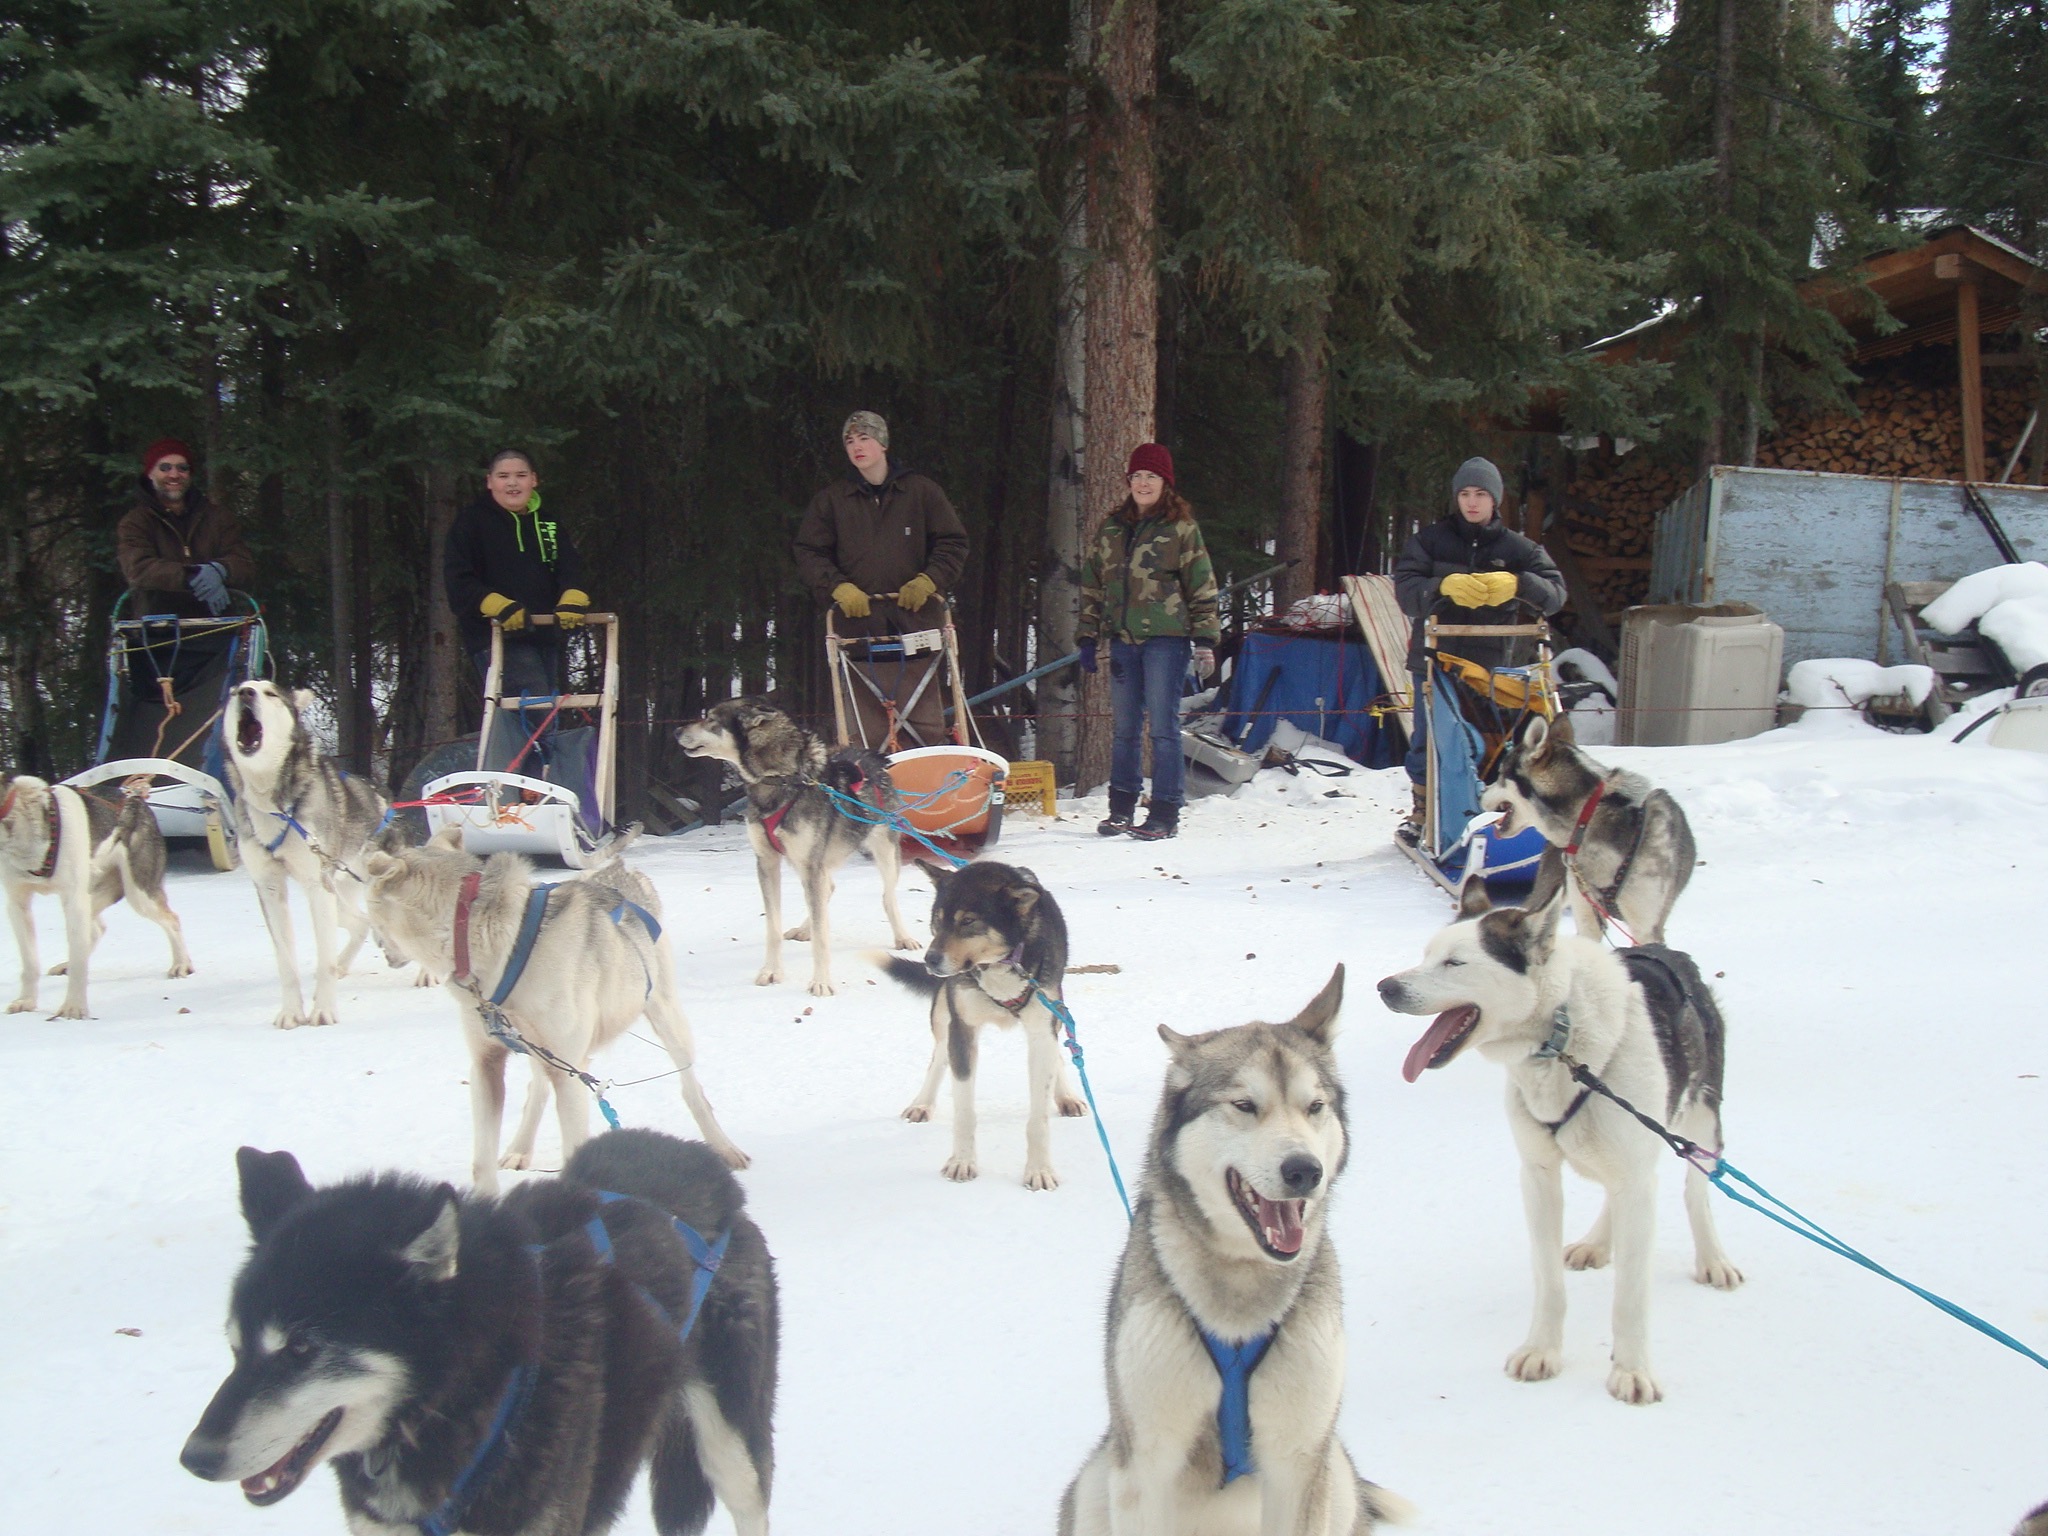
(878, 545)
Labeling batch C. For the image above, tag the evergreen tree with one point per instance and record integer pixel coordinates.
(1992, 118)
(1887, 49)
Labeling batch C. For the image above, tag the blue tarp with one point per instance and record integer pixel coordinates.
(1457, 747)
(1280, 677)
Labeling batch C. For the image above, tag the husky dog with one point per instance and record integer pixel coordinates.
(596, 966)
(507, 1366)
(1226, 1327)
(999, 950)
(1634, 853)
(791, 814)
(298, 817)
(1643, 1021)
(56, 841)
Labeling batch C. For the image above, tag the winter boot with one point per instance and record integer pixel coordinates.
(1122, 806)
(1161, 821)
(1410, 830)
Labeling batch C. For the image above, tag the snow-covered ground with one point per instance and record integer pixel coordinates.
(1871, 904)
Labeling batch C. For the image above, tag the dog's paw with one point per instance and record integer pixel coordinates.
(286, 1019)
(178, 972)
(338, 969)
(1041, 1178)
(320, 1017)
(1584, 1256)
(1530, 1363)
(801, 934)
(1073, 1109)
(70, 1010)
(767, 976)
(59, 969)
(918, 1114)
(733, 1157)
(905, 941)
(515, 1160)
(1637, 1387)
(22, 1005)
(959, 1169)
(426, 978)
(821, 988)
(1718, 1273)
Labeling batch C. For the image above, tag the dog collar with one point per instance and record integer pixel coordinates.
(1560, 1036)
(1013, 1005)
(1571, 849)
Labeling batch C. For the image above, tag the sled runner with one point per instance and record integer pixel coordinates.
(168, 682)
(1458, 839)
(546, 795)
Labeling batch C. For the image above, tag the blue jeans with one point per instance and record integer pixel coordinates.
(1145, 679)
(530, 671)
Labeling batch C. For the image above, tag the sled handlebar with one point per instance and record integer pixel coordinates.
(549, 618)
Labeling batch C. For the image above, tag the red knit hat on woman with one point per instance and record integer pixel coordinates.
(1151, 457)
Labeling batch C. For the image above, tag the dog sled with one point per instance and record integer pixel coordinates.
(905, 697)
(168, 684)
(563, 809)
(1457, 838)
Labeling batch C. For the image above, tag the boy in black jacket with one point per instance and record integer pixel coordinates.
(1474, 561)
(505, 561)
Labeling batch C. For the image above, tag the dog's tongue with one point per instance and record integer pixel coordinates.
(1281, 1221)
(1422, 1053)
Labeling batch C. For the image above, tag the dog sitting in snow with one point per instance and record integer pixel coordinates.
(55, 841)
(1632, 847)
(599, 962)
(999, 951)
(1643, 1022)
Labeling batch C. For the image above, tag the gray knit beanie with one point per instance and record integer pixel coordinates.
(868, 423)
(1479, 472)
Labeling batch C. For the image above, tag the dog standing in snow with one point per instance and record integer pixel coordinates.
(1642, 1021)
(55, 841)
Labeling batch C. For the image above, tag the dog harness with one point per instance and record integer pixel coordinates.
(1551, 1050)
(529, 932)
(447, 1519)
(1235, 1364)
(1603, 900)
(771, 822)
(49, 864)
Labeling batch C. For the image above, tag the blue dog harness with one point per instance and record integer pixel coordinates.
(1235, 1364)
(708, 1256)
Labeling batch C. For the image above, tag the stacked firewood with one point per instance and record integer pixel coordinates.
(1905, 427)
(1609, 510)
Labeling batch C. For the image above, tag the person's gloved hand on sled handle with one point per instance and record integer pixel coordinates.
(510, 616)
(1205, 662)
(851, 600)
(916, 592)
(572, 608)
(1475, 589)
(209, 583)
(1087, 649)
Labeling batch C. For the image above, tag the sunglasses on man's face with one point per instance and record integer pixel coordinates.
(168, 468)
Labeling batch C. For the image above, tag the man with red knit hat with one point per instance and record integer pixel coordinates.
(177, 549)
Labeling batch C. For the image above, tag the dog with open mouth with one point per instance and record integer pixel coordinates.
(1226, 1321)
(1507, 984)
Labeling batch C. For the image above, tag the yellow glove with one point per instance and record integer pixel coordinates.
(916, 592)
(510, 615)
(1501, 587)
(1475, 590)
(571, 608)
(851, 600)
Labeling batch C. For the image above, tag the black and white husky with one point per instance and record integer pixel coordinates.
(1631, 847)
(299, 819)
(1534, 1000)
(55, 841)
(1226, 1323)
(470, 1364)
(797, 809)
(998, 957)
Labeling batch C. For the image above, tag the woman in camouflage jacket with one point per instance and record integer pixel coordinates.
(1148, 586)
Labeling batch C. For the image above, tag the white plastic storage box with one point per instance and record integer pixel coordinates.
(1691, 674)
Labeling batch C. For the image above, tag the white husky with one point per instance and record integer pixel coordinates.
(594, 968)
(1644, 1023)
(299, 818)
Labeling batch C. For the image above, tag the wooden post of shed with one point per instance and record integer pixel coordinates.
(1969, 361)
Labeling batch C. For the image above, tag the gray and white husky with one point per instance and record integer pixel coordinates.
(55, 841)
(469, 1364)
(791, 813)
(594, 968)
(1642, 1020)
(1635, 851)
(1225, 1347)
(299, 818)
(998, 953)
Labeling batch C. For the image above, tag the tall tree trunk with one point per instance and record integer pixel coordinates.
(1121, 346)
(1774, 113)
(1714, 450)
(445, 671)
(362, 704)
(341, 608)
(1305, 387)
(1059, 595)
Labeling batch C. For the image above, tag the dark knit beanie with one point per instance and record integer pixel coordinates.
(1479, 472)
(1153, 458)
(163, 448)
